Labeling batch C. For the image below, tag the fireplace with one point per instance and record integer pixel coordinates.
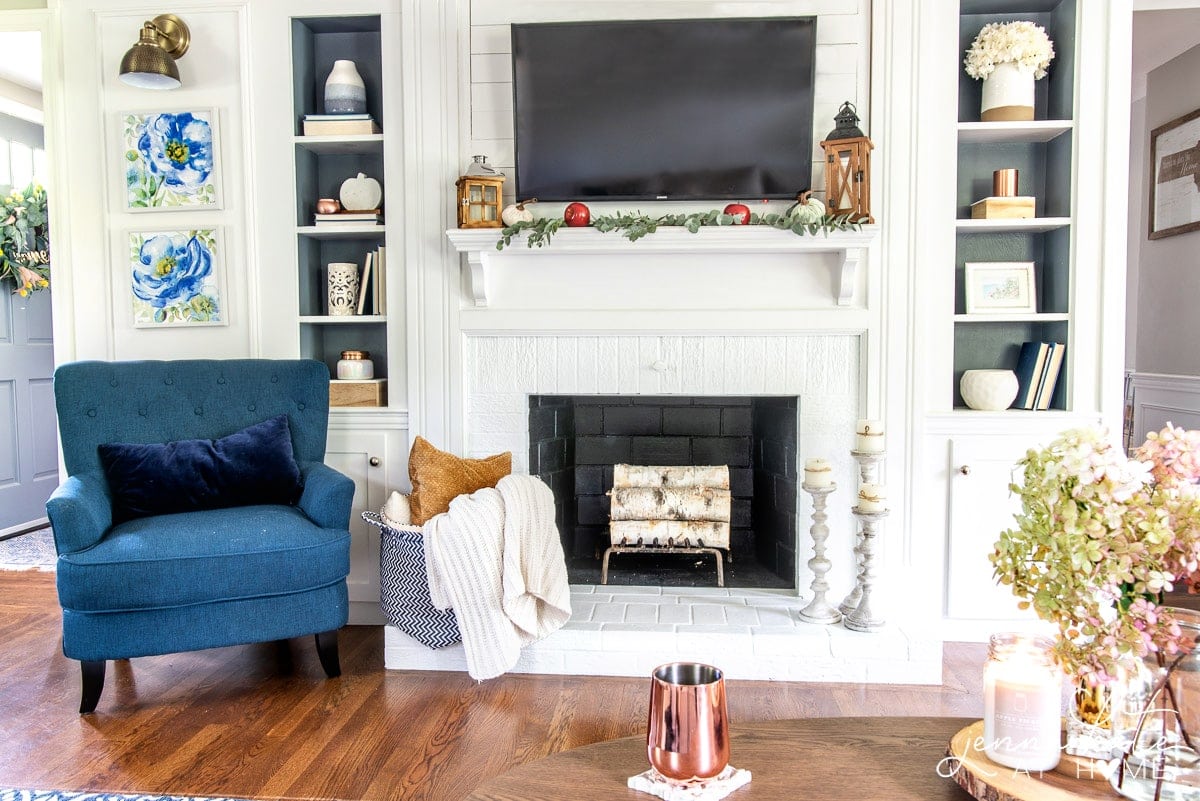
(574, 441)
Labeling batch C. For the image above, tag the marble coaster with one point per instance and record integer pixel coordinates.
(718, 787)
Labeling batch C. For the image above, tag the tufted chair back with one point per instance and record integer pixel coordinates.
(161, 401)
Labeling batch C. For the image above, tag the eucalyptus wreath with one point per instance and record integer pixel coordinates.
(25, 240)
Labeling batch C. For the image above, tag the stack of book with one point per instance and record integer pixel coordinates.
(339, 124)
(1038, 368)
(347, 219)
(372, 283)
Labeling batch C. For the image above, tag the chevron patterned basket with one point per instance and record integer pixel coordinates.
(403, 589)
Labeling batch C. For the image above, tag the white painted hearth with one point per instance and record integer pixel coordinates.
(596, 314)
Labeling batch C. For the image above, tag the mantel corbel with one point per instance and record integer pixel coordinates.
(479, 246)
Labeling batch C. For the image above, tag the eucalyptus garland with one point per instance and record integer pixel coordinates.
(635, 225)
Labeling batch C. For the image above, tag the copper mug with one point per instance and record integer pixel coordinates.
(688, 733)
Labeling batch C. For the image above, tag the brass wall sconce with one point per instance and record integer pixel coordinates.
(150, 64)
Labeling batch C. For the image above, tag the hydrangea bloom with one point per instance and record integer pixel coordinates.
(1023, 43)
(1099, 536)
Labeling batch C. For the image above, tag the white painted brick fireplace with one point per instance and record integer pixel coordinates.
(799, 324)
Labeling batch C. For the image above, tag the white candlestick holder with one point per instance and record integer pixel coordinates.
(819, 610)
(868, 465)
(868, 473)
(862, 617)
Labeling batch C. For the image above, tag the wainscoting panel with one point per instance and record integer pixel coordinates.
(1160, 399)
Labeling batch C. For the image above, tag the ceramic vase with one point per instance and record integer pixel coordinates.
(344, 89)
(989, 390)
(1007, 94)
(342, 283)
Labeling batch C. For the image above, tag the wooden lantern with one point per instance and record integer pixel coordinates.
(480, 195)
(848, 168)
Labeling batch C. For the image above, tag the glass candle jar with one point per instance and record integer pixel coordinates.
(355, 366)
(1022, 702)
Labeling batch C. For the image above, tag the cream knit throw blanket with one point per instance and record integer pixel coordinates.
(496, 559)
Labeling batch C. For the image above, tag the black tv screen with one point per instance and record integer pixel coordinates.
(664, 109)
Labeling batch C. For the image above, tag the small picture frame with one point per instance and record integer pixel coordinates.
(170, 160)
(1000, 287)
(176, 278)
(1174, 186)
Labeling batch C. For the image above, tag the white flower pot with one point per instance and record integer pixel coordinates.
(344, 89)
(1007, 94)
(989, 390)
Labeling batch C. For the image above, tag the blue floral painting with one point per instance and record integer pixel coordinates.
(170, 161)
(175, 279)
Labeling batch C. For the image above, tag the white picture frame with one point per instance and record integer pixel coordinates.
(1000, 287)
(177, 277)
(170, 160)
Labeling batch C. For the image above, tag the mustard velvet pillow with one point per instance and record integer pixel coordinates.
(438, 477)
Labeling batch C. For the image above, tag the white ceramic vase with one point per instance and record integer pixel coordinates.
(1007, 94)
(342, 283)
(989, 390)
(344, 89)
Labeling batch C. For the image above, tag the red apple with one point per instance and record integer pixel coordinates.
(739, 212)
(577, 215)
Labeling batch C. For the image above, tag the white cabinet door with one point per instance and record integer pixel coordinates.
(367, 457)
(981, 506)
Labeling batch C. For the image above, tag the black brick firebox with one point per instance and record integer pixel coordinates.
(574, 441)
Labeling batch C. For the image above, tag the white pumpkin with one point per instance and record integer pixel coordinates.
(360, 193)
(517, 213)
(807, 209)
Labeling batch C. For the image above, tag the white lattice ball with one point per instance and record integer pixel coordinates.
(989, 390)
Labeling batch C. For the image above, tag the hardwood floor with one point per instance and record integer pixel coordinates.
(262, 721)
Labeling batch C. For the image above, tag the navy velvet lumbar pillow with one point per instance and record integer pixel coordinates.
(253, 466)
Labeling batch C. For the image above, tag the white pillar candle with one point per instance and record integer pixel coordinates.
(869, 436)
(818, 473)
(871, 498)
(1022, 703)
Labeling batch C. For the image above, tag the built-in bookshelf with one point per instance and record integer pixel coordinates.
(322, 163)
(1042, 152)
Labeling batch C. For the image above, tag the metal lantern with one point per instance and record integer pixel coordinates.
(848, 167)
(480, 194)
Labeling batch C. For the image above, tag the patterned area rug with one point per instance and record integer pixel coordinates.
(66, 795)
(32, 551)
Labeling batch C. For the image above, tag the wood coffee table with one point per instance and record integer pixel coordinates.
(817, 759)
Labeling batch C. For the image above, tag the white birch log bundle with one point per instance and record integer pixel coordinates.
(680, 533)
(634, 475)
(649, 503)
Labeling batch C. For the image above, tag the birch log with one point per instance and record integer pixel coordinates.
(685, 533)
(634, 475)
(648, 503)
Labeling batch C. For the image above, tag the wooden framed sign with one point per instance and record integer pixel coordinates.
(1175, 171)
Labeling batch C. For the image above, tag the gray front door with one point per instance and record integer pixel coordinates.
(28, 426)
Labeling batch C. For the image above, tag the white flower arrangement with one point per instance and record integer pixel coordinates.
(1023, 43)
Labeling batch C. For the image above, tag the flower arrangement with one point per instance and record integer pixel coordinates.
(1099, 537)
(1024, 43)
(25, 240)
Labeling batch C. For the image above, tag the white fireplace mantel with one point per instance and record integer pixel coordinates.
(479, 244)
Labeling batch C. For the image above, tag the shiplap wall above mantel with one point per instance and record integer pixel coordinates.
(842, 59)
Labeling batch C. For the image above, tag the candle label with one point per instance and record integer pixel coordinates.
(1021, 723)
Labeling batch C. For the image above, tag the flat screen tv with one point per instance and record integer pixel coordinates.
(664, 109)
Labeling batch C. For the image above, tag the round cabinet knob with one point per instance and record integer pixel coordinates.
(373, 461)
(659, 366)
(965, 469)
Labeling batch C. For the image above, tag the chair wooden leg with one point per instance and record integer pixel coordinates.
(327, 650)
(93, 685)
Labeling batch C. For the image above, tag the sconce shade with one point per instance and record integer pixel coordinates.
(150, 63)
